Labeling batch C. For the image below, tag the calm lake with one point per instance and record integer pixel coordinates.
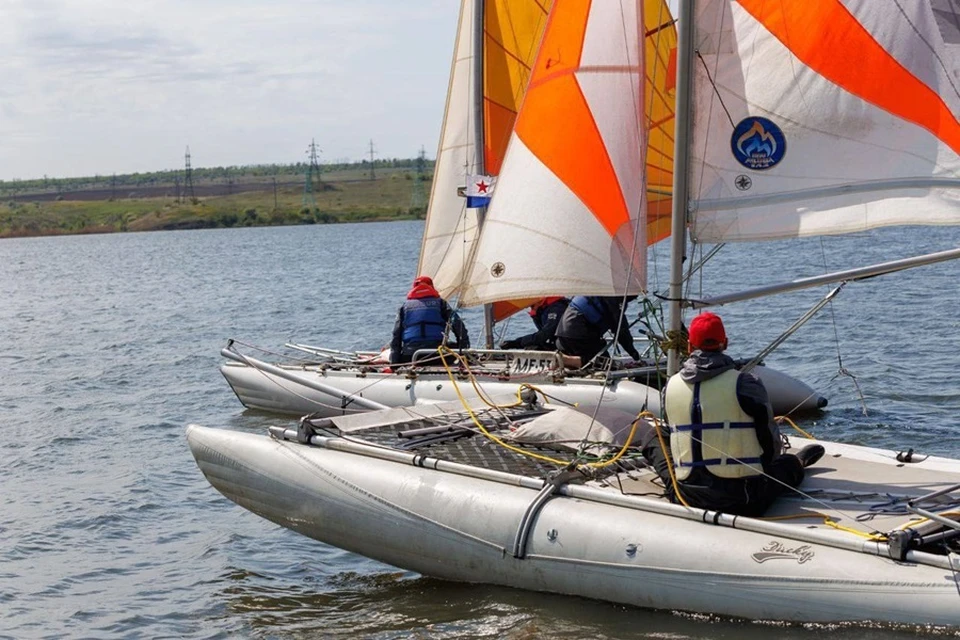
(109, 347)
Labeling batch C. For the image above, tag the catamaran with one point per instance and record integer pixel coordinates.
(580, 251)
(803, 118)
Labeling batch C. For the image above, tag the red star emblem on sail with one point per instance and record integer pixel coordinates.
(482, 187)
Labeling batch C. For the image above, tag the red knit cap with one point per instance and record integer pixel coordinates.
(427, 280)
(707, 333)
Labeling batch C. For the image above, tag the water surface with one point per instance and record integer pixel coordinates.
(109, 347)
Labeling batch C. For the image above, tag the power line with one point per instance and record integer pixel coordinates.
(313, 169)
(373, 175)
(187, 192)
(418, 200)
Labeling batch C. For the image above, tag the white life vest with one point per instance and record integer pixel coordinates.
(722, 439)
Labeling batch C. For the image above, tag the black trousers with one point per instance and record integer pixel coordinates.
(586, 348)
(739, 496)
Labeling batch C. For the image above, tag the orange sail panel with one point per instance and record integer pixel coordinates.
(512, 33)
(660, 62)
(568, 216)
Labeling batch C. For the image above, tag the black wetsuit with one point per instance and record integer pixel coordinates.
(584, 323)
(546, 318)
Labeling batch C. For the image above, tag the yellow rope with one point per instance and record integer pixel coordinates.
(830, 522)
(876, 537)
(626, 443)
(473, 381)
(794, 425)
(675, 340)
(921, 519)
(563, 463)
(669, 462)
(476, 421)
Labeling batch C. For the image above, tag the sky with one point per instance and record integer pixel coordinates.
(96, 87)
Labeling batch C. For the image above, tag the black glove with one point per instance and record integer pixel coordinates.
(510, 344)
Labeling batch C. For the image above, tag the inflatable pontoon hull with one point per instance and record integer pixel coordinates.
(587, 541)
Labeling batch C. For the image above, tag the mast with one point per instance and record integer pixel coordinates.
(681, 163)
(478, 25)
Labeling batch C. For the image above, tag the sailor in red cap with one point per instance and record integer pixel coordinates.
(725, 448)
(546, 314)
(422, 323)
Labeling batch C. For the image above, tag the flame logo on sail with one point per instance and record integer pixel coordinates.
(757, 140)
(757, 143)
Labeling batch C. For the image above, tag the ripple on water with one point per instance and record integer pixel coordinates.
(108, 529)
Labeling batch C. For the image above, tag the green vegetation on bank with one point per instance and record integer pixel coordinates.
(233, 197)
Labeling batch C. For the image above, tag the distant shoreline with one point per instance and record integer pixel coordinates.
(342, 196)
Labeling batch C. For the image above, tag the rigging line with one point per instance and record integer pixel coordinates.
(943, 67)
(346, 397)
(286, 356)
(697, 267)
(954, 564)
(714, 85)
(841, 370)
(714, 96)
(706, 139)
(796, 490)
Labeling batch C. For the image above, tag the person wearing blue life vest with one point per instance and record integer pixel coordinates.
(546, 314)
(586, 320)
(422, 323)
(725, 450)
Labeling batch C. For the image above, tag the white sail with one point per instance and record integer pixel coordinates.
(491, 67)
(568, 215)
(822, 117)
(451, 228)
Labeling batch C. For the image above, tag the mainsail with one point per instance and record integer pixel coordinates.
(482, 102)
(823, 117)
(568, 216)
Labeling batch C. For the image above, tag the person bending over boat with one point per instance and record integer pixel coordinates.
(580, 334)
(546, 315)
(727, 454)
(422, 323)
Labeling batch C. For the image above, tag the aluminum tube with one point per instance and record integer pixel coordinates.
(393, 455)
(828, 278)
(681, 161)
(286, 375)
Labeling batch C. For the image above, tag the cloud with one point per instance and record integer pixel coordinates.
(125, 86)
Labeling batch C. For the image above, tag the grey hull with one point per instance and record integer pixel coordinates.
(298, 392)
(589, 542)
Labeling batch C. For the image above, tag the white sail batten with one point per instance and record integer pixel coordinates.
(801, 108)
(568, 214)
(451, 228)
